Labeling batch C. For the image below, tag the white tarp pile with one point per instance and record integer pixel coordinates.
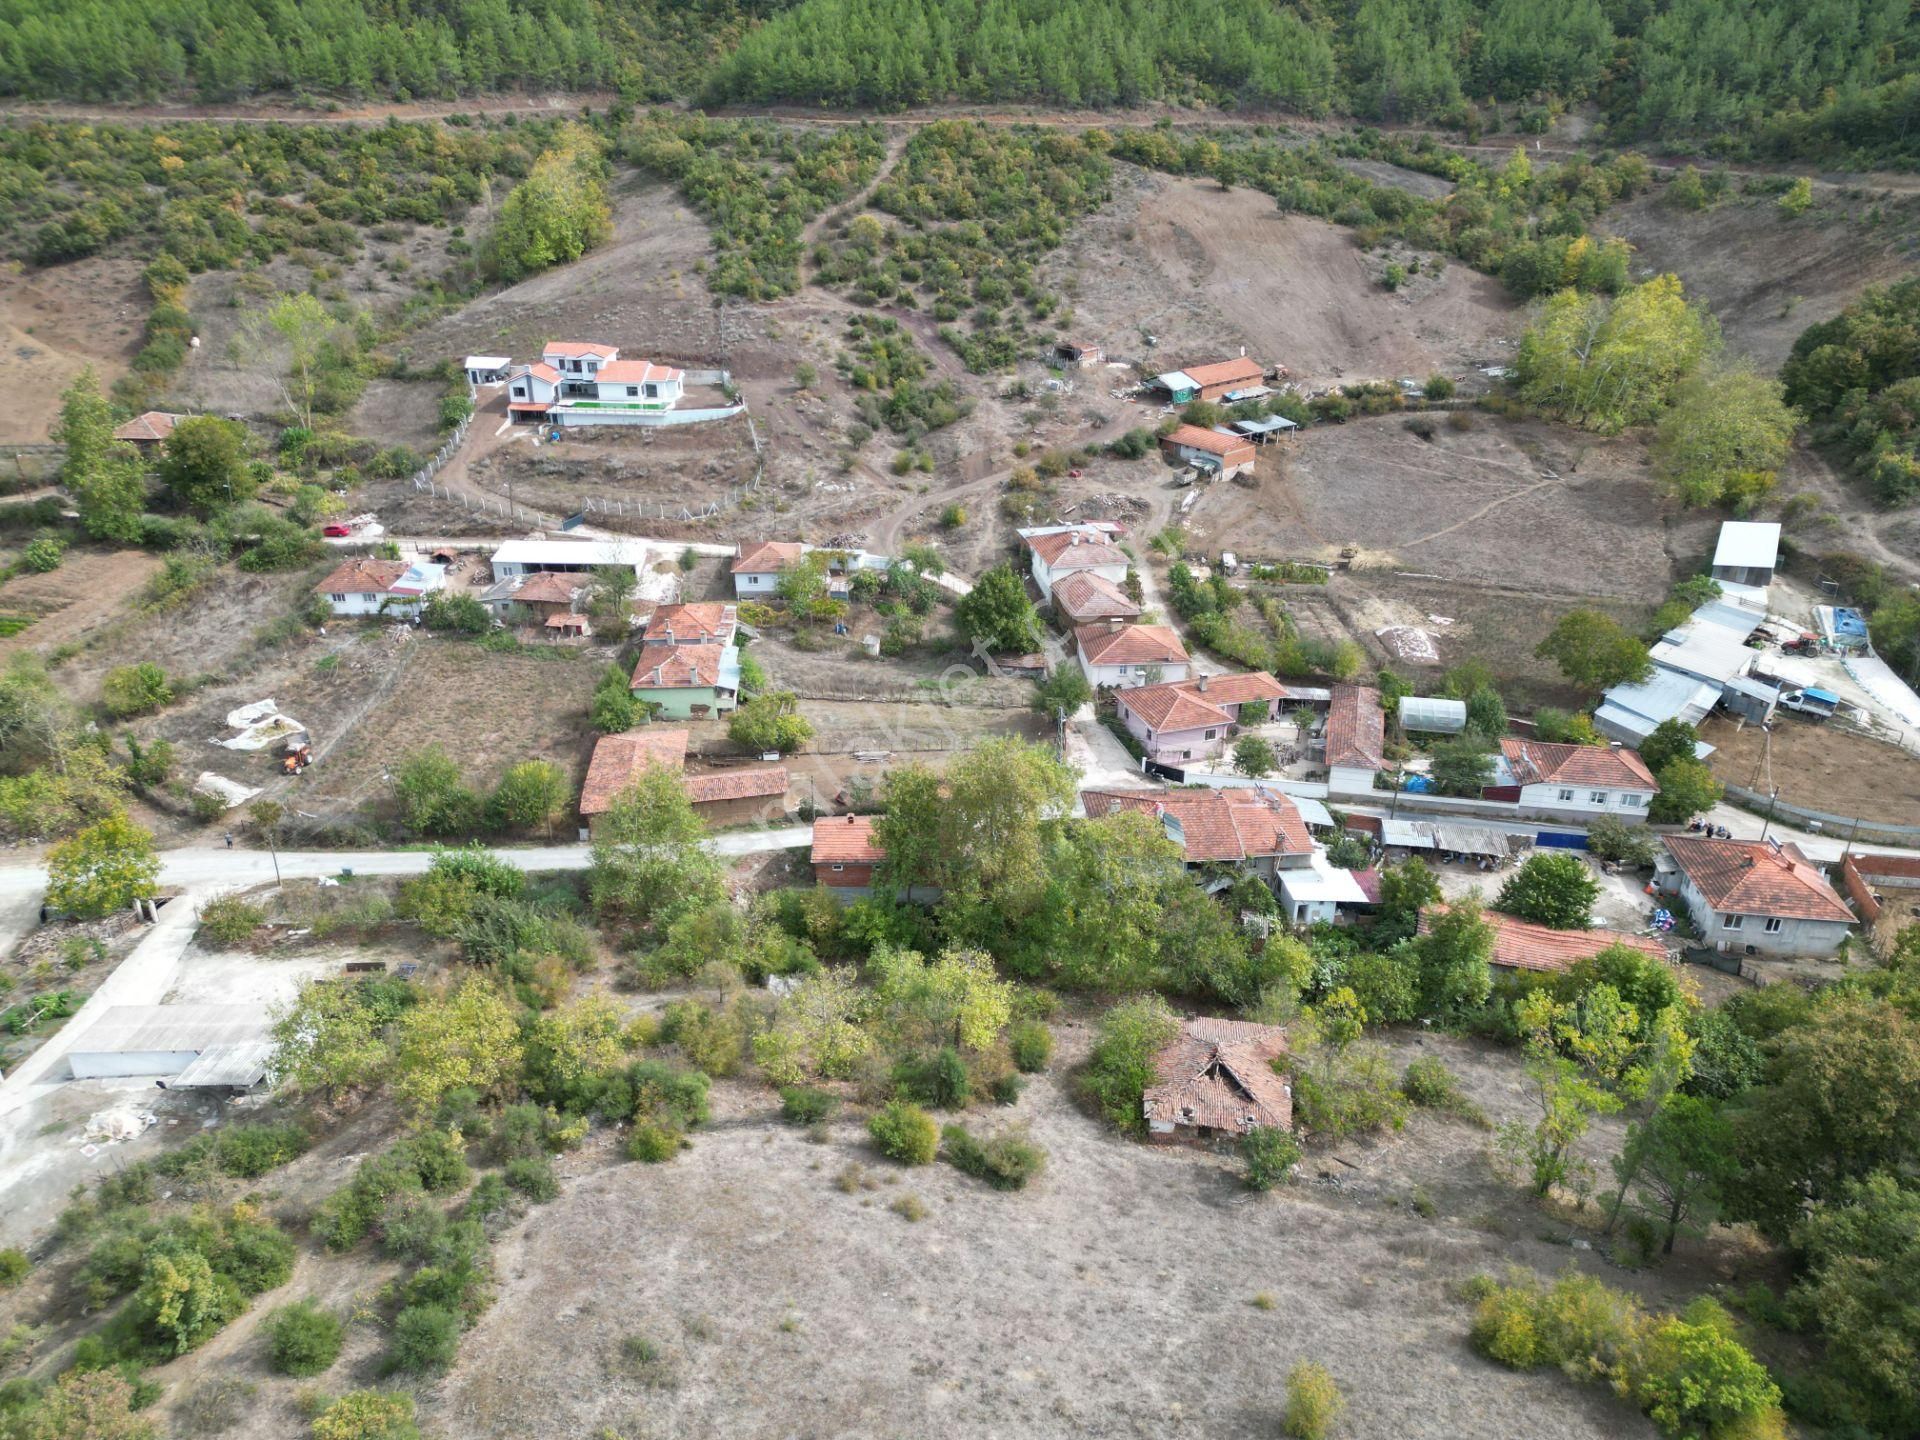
(1877, 678)
(229, 792)
(1409, 642)
(260, 725)
(110, 1127)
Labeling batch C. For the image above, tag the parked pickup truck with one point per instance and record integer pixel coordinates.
(1818, 703)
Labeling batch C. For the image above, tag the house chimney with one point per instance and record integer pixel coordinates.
(1114, 623)
(850, 819)
(1203, 683)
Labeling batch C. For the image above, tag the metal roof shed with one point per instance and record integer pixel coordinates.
(131, 1040)
(1747, 545)
(1441, 717)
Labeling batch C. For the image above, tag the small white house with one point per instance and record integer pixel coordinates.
(1747, 552)
(1315, 893)
(487, 369)
(1575, 780)
(1119, 656)
(756, 568)
(363, 586)
(1067, 552)
(1754, 897)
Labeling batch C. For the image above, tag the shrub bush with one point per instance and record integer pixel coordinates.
(303, 1339)
(651, 1142)
(804, 1105)
(939, 1079)
(129, 690)
(228, 919)
(367, 1415)
(1270, 1155)
(1006, 1161)
(14, 1267)
(424, 1341)
(1031, 1044)
(905, 1132)
(533, 1177)
(1314, 1403)
(1429, 1083)
(247, 1152)
(1121, 1065)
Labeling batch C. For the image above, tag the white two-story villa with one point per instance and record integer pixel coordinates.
(583, 383)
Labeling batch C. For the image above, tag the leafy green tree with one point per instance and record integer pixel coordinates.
(1254, 757)
(1609, 364)
(102, 474)
(83, 1405)
(1725, 438)
(1065, 689)
(128, 690)
(433, 798)
(103, 868)
(770, 722)
(204, 465)
(648, 861)
(1687, 788)
(329, 1041)
(1487, 713)
(529, 796)
(181, 1299)
(1551, 888)
(1593, 651)
(1120, 1066)
(1610, 838)
(1565, 1091)
(303, 325)
(1462, 765)
(983, 843)
(614, 709)
(1860, 1256)
(1454, 960)
(1676, 1165)
(996, 613)
(456, 613)
(955, 999)
(468, 1039)
(1405, 890)
(557, 214)
(1671, 740)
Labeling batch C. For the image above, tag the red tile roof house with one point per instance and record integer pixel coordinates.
(756, 568)
(1572, 781)
(148, 431)
(1251, 829)
(1224, 456)
(364, 586)
(1522, 945)
(1068, 552)
(1192, 719)
(725, 797)
(1356, 739)
(710, 622)
(1086, 598)
(1118, 656)
(1754, 896)
(844, 855)
(1216, 1082)
(538, 598)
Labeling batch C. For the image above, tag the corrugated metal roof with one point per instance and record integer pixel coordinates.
(133, 1029)
(1746, 544)
(238, 1067)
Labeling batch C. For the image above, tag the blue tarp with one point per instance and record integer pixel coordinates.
(1560, 840)
(1849, 622)
(1825, 697)
(1418, 784)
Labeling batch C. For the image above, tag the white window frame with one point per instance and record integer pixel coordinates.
(1631, 801)
(1774, 925)
(1566, 794)
(1732, 922)
(1598, 797)
(838, 868)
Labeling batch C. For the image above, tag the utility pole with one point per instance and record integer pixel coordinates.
(1772, 800)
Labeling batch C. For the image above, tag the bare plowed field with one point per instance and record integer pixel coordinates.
(1819, 767)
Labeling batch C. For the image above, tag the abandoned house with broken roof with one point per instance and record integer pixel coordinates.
(1216, 1081)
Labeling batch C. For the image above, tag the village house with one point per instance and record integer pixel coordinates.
(700, 622)
(1117, 656)
(1192, 719)
(566, 557)
(1216, 1081)
(687, 682)
(844, 855)
(536, 598)
(1060, 553)
(364, 586)
(487, 369)
(1240, 379)
(1572, 780)
(618, 760)
(1759, 897)
(740, 797)
(585, 383)
(1084, 598)
(1253, 829)
(1355, 739)
(148, 431)
(1747, 552)
(1522, 945)
(756, 568)
(1221, 454)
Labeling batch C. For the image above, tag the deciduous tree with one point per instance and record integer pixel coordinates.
(204, 464)
(1594, 651)
(104, 868)
(1725, 438)
(468, 1039)
(996, 613)
(102, 474)
(1554, 889)
(648, 862)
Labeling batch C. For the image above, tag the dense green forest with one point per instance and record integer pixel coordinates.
(227, 49)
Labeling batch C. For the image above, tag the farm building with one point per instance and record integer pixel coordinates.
(1083, 357)
(1754, 896)
(487, 369)
(1355, 739)
(1433, 716)
(740, 797)
(1193, 719)
(363, 586)
(566, 557)
(1117, 655)
(191, 1046)
(1747, 553)
(703, 622)
(1085, 598)
(1221, 454)
(756, 567)
(1572, 780)
(1059, 553)
(1317, 892)
(148, 431)
(1521, 945)
(1216, 1081)
(1211, 382)
(1263, 431)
